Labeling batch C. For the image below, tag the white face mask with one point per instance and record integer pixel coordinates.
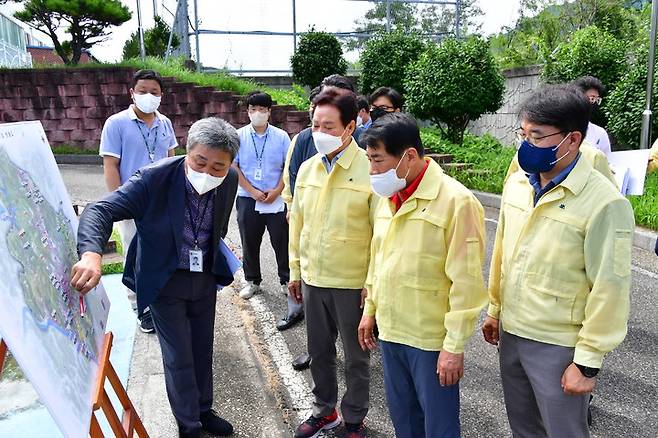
(203, 182)
(388, 183)
(326, 143)
(258, 119)
(147, 103)
(359, 121)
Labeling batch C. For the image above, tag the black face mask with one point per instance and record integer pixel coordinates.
(377, 113)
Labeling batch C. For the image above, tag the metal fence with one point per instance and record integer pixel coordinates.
(14, 57)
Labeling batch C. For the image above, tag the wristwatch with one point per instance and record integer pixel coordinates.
(587, 371)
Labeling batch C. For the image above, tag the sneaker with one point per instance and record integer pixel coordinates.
(146, 322)
(355, 430)
(215, 425)
(312, 427)
(249, 290)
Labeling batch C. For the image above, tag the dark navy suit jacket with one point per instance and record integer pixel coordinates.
(155, 198)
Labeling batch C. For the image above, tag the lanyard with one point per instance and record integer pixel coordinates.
(149, 148)
(196, 222)
(259, 158)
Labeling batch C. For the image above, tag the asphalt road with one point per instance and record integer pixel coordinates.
(624, 401)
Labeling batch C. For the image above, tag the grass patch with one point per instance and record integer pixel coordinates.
(72, 150)
(112, 268)
(490, 159)
(645, 208)
(117, 239)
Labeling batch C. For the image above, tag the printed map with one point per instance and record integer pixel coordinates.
(40, 318)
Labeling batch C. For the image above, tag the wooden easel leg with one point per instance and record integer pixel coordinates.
(131, 421)
(3, 355)
(95, 428)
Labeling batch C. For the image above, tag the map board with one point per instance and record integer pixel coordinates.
(40, 319)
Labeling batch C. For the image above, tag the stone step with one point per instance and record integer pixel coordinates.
(441, 158)
(456, 166)
(111, 258)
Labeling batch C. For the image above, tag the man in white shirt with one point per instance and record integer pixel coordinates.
(594, 89)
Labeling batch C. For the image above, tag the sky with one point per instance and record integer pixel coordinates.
(263, 52)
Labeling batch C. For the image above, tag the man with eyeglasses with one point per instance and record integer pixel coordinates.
(560, 271)
(593, 89)
(385, 100)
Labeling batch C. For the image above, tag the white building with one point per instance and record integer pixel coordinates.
(13, 39)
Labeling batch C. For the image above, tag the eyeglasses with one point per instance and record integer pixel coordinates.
(596, 100)
(520, 136)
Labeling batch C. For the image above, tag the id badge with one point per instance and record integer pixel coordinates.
(196, 260)
(258, 174)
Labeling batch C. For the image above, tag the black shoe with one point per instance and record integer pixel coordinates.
(146, 322)
(589, 411)
(195, 434)
(302, 362)
(289, 321)
(215, 425)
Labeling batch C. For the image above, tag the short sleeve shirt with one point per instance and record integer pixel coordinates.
(129, 139)
(266, 152)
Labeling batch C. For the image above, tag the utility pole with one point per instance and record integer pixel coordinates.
(142, 51)
(388, 15)
(294, 26)
(645, 138)
(171, 33)
(181, 29)
(458, 18)
(196, 36)
(155, 9)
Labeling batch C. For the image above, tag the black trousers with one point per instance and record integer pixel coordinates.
(184, 319)
(252, 226)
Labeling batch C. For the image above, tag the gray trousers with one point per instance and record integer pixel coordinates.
(329, 312)
(536, 404)
(184, 319)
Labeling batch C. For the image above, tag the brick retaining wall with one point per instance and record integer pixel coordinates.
(73, 104)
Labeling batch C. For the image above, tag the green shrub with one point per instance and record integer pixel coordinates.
(590, 52)
(155, 41)
(454, 83)
(625, 104)
(318, 55)
(385, 59)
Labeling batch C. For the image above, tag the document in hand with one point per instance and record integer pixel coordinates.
(233, 262)
(636, 163)
(275, 207)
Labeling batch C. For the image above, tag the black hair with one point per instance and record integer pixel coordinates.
(562, 106)
(393, 95)
(590, 82)
(338, 81)
(314, 93)
(148, 75)
(258, 98)
(362, 104)
(396, 132)
(344, 101)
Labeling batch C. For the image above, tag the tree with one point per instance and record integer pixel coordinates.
(318, 55)
(454, 83)
(87, 22)
(385, 59)
(155, 41)
(426, 20)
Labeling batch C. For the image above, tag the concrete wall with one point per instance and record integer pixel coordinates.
(73, 104)
(519, 84)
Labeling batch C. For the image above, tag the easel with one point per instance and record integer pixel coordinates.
(131, 422)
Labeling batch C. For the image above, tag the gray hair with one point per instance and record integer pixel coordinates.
(214, 133)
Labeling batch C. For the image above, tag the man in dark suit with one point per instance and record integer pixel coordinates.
(181, 207)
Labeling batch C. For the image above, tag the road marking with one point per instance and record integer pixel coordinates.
(293, 381)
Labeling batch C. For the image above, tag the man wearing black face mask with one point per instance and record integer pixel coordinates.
(593, 89)
(385, 100)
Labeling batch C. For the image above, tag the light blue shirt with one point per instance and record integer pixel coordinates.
(330, 164)
(266, 152)
(127, 138)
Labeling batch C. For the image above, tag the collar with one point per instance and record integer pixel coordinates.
(431, 183)
(253, 131)
(404, 194)
(347, 155)
(573, 177)
(367, 124)
(133, 116)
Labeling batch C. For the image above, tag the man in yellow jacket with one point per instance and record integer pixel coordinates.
(425, 285)
(560, 271)
(330, 234)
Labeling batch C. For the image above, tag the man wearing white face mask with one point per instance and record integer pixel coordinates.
(330, 231)
(181, 207)
(132, 139)
(425, 285)
(260, 162)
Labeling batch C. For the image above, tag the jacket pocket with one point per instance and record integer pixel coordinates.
(622, 254)
(552, 302)
(473, 264)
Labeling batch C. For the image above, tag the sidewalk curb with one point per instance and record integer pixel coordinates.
(79, 159)
(643, 238)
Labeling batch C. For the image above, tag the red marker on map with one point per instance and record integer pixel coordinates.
(82, 307)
